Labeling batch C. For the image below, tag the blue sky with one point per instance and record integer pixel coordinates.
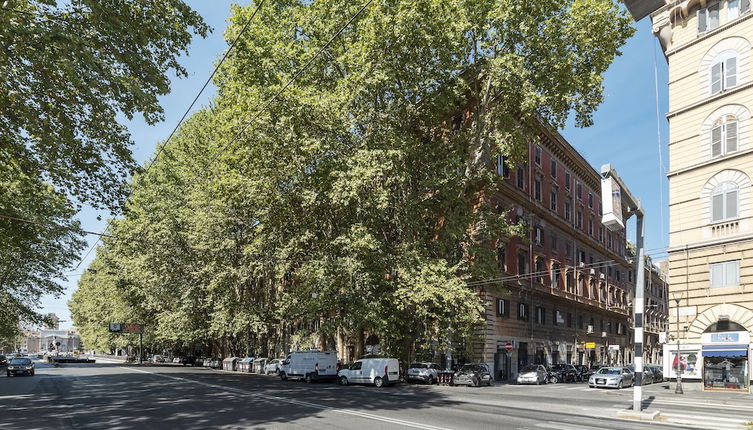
(624, 131)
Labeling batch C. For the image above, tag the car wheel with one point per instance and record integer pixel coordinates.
(32, 373)
(553, 379)
(476, 382)
(283, 376)
(378, 382)
(431, 380)
(490, 383)
(308, 378)
(343, 380)
(619, 385)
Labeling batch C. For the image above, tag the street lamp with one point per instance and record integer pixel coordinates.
(678, 372)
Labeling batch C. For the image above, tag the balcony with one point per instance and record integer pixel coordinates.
(727, 228)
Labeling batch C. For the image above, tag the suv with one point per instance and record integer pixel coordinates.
(20, 366)
(423, 372)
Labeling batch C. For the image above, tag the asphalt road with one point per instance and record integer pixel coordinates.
(115, 396)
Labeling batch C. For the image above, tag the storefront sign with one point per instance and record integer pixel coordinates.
(590, 345)
(725, 337)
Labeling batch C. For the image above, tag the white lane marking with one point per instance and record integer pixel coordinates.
(297, 402)
(564, 426)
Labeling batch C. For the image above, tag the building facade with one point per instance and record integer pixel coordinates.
(656, 312)
(707, 45)
(565, 290)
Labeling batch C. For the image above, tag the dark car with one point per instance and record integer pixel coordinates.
(188, 360)
(473, 374)
(658, 372)
(648, 374)
(3, 361)
(20, 366)
(582, 372)
(563, 373)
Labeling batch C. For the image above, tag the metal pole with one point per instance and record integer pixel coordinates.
(638, 318)
(141, 347)
(678, 371)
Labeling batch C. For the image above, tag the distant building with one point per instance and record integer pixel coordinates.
(59, 341)
(54, 322)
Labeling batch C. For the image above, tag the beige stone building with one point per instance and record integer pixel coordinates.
(707, 45)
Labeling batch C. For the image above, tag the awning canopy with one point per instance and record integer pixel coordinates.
(725, 350)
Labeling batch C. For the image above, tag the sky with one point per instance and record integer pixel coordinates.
(624, 131)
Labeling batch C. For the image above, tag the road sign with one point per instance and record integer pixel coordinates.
(508, 346)
(126, 328)
(590, 345)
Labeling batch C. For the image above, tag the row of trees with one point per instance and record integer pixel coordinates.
(351, 198)
(68, 70)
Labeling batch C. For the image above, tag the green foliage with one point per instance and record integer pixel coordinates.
(361, 199)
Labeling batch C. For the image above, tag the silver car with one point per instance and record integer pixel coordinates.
(613, 377)
(533, 374)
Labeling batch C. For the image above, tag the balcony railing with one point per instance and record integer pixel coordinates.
(725, 228)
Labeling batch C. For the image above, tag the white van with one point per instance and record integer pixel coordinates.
(309, 365)
(377, 371)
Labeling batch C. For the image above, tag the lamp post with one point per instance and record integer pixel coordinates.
(678, 372)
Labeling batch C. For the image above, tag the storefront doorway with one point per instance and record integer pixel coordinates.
(725, 357)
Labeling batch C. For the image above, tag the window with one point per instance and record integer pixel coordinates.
(568, 209)
(725, 274)
(501, 257)
(540, 271)
(554, 169)
(569, 319)
(579, 218)
(537, 188)
(580, 321)
(537, 155)
(579, 190)
(590, 200)
(523, 311)
(501, 307)
(502, 168)
(723, 72)
(735, 8)
(555, 275)
(609, 240)
(708, 18)
(724, 202)
(601, 233)
(553, 200)
(522, 263)
(724, 136)
(521, 178)
(538, 235)
(567, 180)
(554, 243)
(540, 315)
(609, 327)
(568, 250)
(591, 226)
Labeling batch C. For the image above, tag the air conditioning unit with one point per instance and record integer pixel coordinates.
(590, 329)
(603, 334)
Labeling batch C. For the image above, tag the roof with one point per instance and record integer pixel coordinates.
(642, 8)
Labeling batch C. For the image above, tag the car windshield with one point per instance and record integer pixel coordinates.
(20, 361)
(605, 371)
(419, 366)
(471, 368)
(529, 369)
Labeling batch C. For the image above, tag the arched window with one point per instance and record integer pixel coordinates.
(723, 71)
(724, 202)
(724, 136)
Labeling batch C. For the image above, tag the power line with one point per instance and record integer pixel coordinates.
(53, 225)
(531, 275)
(162, 147)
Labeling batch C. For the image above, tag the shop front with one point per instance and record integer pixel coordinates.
(726, 360)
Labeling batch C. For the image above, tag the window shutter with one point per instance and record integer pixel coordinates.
(744, 6)
(716, 141)
(731, 209)
(731, 273)
(716, 78)
(717, 207)
(717, 275)
(713, 21)
(731, 136)
(730, 72)
(701, 15)
(733, 9)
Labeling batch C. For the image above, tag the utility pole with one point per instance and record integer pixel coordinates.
(678, 371)
(634, 208)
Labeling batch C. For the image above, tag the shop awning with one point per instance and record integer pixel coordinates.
(725, 350)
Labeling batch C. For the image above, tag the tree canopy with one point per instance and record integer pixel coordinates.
(359, 198)
(68, 71)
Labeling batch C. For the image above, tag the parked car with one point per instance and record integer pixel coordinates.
(309, 365)
(423, 372)
(616, 377)
(377, 371)
(3, 360)
(20, 366)
(273, 367)
(563, 373)
(583, 371)
(658, 372)
(648, 374)
(188, 360)
(533, 374)
(473, 374)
